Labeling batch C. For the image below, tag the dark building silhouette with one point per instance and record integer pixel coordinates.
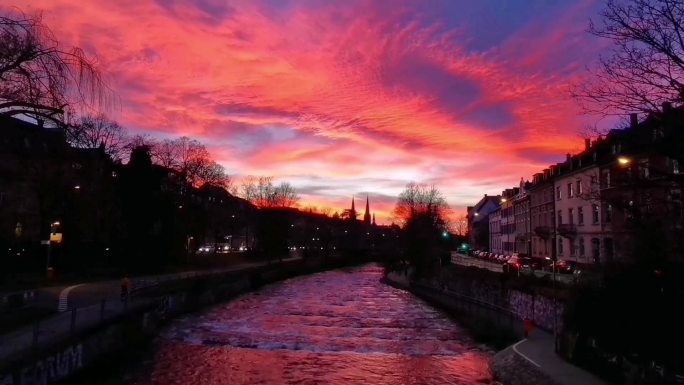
(366, 215)
(478, 221)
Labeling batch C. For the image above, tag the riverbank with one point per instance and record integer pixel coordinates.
(113, 336)
(529, 361)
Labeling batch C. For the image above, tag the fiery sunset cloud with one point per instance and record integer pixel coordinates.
(347, 98)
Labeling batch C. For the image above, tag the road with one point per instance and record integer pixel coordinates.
(464, 260)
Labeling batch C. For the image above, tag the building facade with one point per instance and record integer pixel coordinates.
(495, 245)
(542, 209)
(508, 220)
(478, 221)
(521, 213)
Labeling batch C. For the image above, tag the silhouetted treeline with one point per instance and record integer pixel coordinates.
(143, 216)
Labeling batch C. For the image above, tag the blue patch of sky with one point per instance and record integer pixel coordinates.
(422, 76)
(487, 22)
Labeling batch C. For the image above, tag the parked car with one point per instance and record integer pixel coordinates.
(513, 265)
(206, 249)
(567, 267)
(563, 266)
(534, 263)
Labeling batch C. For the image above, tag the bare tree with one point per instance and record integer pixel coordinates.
(423, 213)
(420, 199)
(95, 131)
(261, 192)
(214, 174)
(646, 64)
(40, 78)
(460, 226)
(191, 159)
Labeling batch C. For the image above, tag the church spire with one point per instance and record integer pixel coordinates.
(373, 219)
(352, 212)
(366, 215)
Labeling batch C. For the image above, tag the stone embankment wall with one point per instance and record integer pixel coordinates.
(491, 313)
(532, 306)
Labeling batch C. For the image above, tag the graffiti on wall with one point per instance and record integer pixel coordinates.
(49, 369)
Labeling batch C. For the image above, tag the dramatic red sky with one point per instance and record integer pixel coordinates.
(345, 98)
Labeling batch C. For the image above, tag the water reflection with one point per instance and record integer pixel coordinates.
(338, 327)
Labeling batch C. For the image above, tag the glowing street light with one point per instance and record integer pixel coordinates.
(623, 160)
(504, 200)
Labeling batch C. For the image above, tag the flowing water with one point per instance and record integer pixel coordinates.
(337, 327)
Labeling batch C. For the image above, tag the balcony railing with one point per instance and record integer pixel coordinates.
(567, 230)
(522, 237)
(543, 232)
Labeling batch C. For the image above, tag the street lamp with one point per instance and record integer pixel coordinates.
(624, 161)
(56, 237)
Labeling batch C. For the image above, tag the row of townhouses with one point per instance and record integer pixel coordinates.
(618, 199)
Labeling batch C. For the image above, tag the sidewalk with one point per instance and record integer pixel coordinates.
(538, 349)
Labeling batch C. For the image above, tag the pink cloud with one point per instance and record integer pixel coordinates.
(348, 94)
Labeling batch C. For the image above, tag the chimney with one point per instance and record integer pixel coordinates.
(587, 143)
(667, 107)
(633, 120)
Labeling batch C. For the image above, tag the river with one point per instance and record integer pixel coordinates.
(336, 327)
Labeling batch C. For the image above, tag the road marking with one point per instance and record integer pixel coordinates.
(64, 297)
(515, 348)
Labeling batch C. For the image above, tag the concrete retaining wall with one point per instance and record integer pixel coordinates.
(496, 312)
